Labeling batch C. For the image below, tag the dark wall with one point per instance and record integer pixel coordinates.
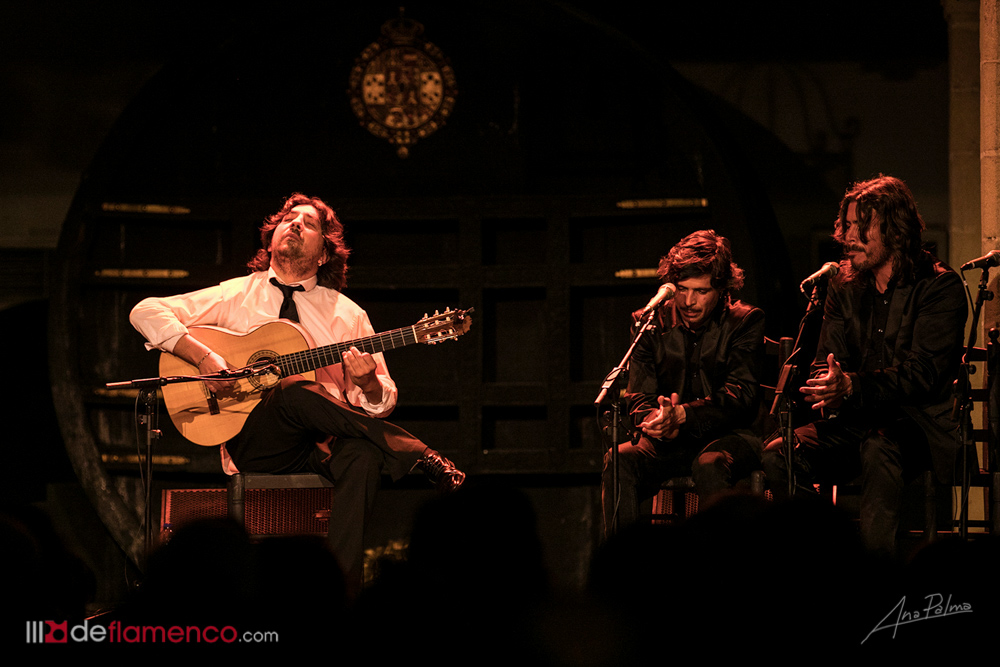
(522, 206)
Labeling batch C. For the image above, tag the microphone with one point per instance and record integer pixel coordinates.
(828, 270)
(665, 293)
(992, 258)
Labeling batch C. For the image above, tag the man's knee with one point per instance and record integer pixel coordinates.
(714, 464)
(290, 381)
(773, 463)
(877, 450)
(628, 462)
(296, 387)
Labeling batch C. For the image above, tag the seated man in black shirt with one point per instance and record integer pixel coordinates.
(693, 383)
(888, 354)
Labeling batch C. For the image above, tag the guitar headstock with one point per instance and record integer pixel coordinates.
(439, 327)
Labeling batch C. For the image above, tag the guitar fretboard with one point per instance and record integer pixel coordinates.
(328, 355)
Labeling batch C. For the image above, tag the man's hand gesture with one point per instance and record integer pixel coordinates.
(663, 423)
(828, 390)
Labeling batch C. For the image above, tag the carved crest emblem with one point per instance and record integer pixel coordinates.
(402, 87)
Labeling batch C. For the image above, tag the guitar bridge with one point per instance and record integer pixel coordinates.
(213, 403)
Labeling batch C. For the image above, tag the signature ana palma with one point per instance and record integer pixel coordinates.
(936, 607)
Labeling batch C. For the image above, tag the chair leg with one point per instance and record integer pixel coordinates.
(930, 506)
(236, 488)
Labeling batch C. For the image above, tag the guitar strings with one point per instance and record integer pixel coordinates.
(308, 360)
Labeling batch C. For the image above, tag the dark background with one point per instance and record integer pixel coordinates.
(564, 109)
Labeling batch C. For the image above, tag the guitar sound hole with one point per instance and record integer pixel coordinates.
(264, 380)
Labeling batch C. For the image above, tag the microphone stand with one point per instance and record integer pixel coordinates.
(148, 397)
(610, 382)
(784, 404)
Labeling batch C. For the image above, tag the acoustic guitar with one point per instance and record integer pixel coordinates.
(267, 354)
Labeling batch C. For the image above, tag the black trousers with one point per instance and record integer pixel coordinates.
(887, 451)
(643, 467)
(280, 436)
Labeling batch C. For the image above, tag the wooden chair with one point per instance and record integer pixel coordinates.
(676, 500)
(983, 474)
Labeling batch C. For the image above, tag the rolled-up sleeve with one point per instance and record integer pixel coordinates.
(163, 320)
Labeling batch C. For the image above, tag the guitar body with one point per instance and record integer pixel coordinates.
(208, 420)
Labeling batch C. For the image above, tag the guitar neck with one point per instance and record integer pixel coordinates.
(329, 355)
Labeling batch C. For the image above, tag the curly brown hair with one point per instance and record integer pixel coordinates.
(333, 273)
(887, 201)
(703, 252)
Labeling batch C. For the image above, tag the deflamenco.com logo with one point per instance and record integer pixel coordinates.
(61, 632)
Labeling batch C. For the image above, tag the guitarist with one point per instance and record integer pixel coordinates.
(300, 425)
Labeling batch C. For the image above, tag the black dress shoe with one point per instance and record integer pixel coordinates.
(441, 471)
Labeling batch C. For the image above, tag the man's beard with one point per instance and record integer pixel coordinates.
(871, 262)
(293, 261)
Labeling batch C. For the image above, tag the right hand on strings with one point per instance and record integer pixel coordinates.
(213, 363)
(206, 360)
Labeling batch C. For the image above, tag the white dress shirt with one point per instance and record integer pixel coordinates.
(243, 304)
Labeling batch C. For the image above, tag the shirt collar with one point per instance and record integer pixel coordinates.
(888, 288)
(308, 284)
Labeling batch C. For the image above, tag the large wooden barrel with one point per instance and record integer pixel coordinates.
(570, 163)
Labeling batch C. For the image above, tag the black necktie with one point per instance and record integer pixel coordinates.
(288, 310)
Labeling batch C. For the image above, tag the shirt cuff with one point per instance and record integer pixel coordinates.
(168, 338)
(384, 406)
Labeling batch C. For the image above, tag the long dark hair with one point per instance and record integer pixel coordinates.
(700, 253)
(331, 274)
(885, 199)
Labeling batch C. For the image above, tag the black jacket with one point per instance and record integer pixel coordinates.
(923, 346)
(731, 353)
